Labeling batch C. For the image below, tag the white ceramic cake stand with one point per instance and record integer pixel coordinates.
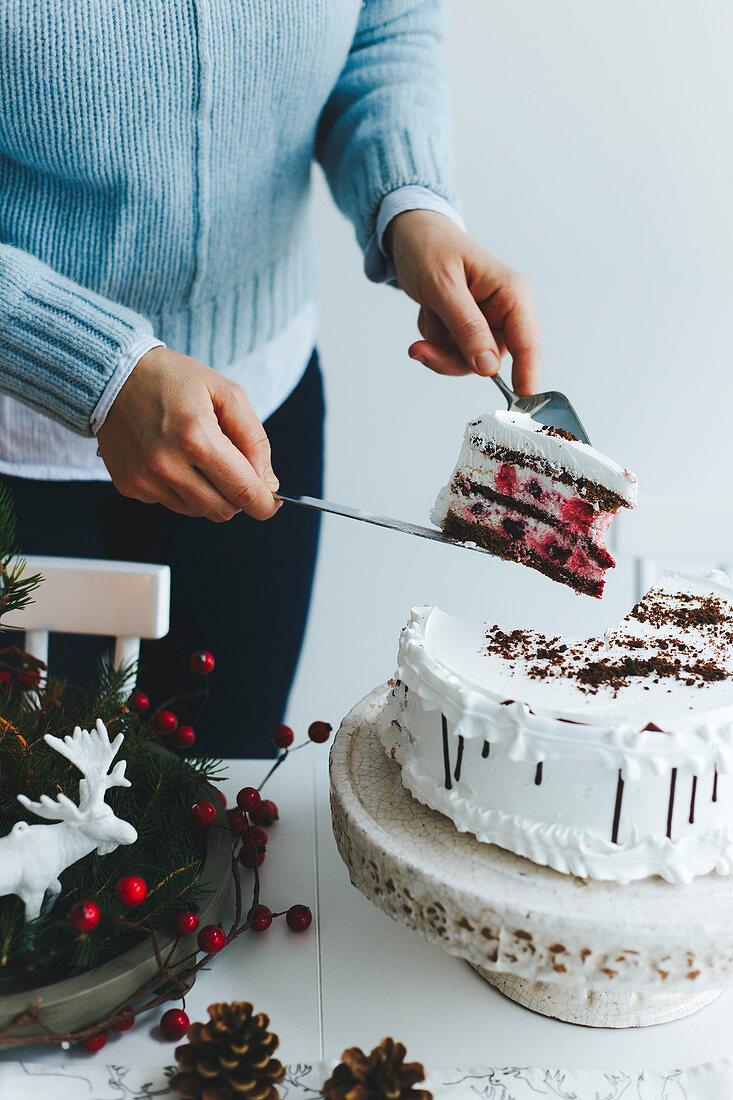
(585, 952)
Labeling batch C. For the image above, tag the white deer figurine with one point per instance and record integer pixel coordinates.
(33, 856)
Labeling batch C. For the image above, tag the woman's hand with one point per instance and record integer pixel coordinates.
(473, 308)
(181, 435)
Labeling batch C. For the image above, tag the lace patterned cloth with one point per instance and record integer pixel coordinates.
(711, 1081)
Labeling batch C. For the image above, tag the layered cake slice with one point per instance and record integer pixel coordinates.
(609, 758)
(536, 495)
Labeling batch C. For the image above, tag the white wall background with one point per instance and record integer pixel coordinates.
(595, 154)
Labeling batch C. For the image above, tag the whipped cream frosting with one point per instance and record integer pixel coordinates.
(519, 432)
(620, 775)
(461, 658)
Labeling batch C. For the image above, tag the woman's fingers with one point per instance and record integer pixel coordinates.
(485, 306)
(170, 499)
(522, 337)
(469, 329)
(437, 351)
(436, 359)
(180, 434)
(235, 480)
(242, 426)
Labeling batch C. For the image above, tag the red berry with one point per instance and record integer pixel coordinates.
(183, 737)
(265, 813)
(138, 702)
(174, 1023)
(248, 799)
(251, 857)
(85, 915)
(319, 732)
(201, 662)
(29, 678)
(186, 922)
(260, 918)
(256, 836)
(131, 890)
(95, 1042)
(125, 1021)
(6, 681)
(165, 721)
(237, 822)
(298, 918)
(203, 814)
(211, 939)
(282, 737)
(222, 797)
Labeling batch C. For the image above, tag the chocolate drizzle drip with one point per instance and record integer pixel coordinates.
(617, 808)
(670, 806)
(446, 753)
(485, 750)
(459, 761)
(538, 774)
(715, 786)
(691, 818)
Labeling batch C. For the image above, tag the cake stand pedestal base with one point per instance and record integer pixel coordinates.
(576, 1005)
(587, 952)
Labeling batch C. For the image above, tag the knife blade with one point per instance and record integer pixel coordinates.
(379, 521)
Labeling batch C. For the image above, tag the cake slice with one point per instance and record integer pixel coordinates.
(536, 495)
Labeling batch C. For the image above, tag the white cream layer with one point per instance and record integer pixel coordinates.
(519, 432)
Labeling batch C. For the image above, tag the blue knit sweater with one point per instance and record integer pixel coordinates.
(155, 164)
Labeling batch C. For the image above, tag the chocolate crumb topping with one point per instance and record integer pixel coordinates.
(624, 657)
(681, 609)
(560, 433)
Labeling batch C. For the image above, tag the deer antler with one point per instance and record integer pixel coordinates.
(59, 809)
(92, 753)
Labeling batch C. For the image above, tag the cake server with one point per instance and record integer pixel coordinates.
(380, 521)
(552, 409)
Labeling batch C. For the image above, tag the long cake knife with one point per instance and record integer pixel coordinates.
(550, 408)
(380, 521)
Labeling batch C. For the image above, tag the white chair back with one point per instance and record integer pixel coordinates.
(666, 532)
(86, 596)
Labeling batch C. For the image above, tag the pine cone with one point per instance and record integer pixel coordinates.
(381, 1075)
(228, 1058)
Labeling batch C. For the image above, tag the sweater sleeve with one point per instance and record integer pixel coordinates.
(60, 343)
(387, 122)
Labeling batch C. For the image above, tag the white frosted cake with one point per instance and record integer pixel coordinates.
(536, 495)
(607, 758)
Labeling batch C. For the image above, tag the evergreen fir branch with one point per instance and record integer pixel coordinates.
(15, 589)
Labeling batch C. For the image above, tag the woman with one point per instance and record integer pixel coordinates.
(157, 326)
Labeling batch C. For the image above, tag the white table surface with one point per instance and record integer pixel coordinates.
(356, 976)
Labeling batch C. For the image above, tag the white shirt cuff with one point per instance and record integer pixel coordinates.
(378, 264)
(122, 372)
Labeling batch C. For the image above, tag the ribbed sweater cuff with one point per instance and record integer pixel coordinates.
(60, 344)
(399, 159)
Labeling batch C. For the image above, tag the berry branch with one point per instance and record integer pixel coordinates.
(172, 980)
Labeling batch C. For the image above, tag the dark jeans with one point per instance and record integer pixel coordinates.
(239, 589)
